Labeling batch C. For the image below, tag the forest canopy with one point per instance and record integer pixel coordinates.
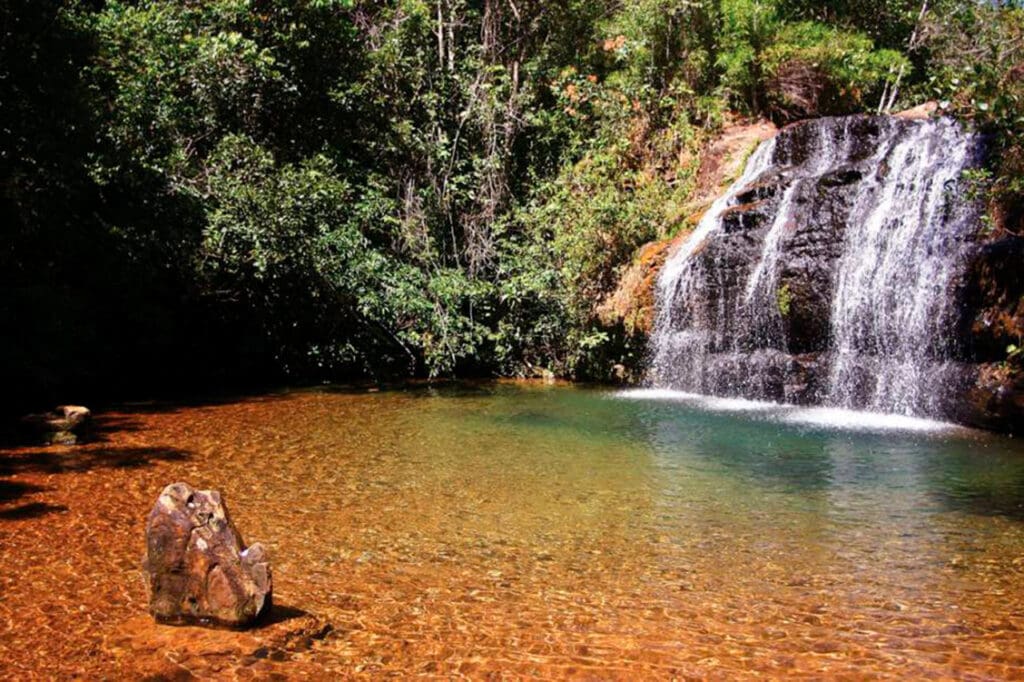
(209, 191)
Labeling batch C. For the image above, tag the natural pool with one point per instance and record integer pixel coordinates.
(529, 530)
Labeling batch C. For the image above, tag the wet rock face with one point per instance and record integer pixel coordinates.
(993, 300)
(995, 399)
(813, 204)
(771, 329)
(197, 568)
(847, 267)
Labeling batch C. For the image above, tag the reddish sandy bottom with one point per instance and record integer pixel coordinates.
(510, 531)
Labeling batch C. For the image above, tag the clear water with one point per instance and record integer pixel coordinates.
(538, 531)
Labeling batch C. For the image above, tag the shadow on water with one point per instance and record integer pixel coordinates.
(110, 418)
(416, 388)
(79, 459)
(62, 460)
(175, 405)
(281, 613)
(30, 510)
(12, 490)
(16, 434)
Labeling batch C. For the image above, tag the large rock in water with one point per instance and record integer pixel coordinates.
(197, 568)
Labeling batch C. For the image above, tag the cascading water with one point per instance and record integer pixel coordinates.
(827, 273)
(892, 314)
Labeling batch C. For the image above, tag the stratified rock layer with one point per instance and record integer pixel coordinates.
(197, 568)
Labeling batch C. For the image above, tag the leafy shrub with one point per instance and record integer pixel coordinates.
(813, 69)
(976, 68)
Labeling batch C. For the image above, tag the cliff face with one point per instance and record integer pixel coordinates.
(993, 321)
(845, 268)
(632, 304)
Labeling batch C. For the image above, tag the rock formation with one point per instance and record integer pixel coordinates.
(848, 267)
(65, 425)
(632, 303)
(197, 568)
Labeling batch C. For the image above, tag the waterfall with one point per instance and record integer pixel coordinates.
(892, 313)
(828, 273)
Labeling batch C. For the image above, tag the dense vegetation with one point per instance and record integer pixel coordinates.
(201, 191)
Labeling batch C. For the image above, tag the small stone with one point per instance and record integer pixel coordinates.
(65, 425)
(197, 568)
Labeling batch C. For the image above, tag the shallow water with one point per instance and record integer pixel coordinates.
(526, 530)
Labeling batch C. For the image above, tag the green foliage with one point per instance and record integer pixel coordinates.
(784, 299)
(660, 52)
(582, 230)
(796, 69)
(281, 240)
(1014, 353)
(748, 28)
(333, 188)
(976, 68)
(181, 76)
(889, 23)
(814, 68)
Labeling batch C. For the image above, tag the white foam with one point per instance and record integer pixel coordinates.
(707, 402)
(824, 417)
(836, 418)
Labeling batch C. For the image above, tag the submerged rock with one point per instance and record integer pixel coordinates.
(197, 568)
(65, 425)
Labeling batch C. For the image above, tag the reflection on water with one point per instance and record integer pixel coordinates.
(536, 531)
